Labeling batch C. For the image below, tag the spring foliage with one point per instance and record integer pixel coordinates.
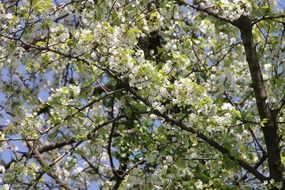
(128, 94)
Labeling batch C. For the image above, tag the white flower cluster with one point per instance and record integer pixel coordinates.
(207, 27)
(227, 106)
(31, 126)
(187, 92)
(223, 120)
(229, 9)
(64, 93)
(121, 60)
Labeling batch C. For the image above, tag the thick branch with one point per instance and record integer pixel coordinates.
(205, 10)
(44, 164)
(216, 145)
(56, 145)
(270, 128)
(194, 131)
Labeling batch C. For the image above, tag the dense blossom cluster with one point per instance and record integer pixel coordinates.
(92, 101)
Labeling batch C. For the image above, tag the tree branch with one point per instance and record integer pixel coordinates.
(44, 164)
(194, 131)
(270, 128)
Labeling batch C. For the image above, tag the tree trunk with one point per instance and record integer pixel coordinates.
(270, 127)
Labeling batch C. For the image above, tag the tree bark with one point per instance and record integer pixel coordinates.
(270, 127)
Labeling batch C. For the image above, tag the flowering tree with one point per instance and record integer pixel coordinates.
(129, 94)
